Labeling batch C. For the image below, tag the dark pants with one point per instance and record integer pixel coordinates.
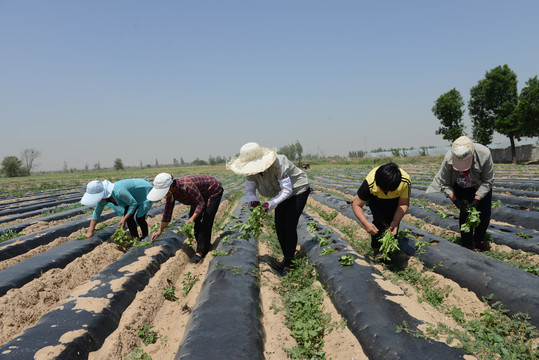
(477, 235)
(382, 218)
(287, 216)
(204, 224)
(132, 225)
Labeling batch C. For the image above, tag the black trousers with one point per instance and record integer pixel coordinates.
(476, 235)
(132, 224)
(382, 218)
(287, 216)
(204, 224)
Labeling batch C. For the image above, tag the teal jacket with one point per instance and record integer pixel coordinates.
(129, 193)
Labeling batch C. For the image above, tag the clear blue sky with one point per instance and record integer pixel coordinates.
(89, 81)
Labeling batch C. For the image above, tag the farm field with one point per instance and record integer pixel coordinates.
(63, 297)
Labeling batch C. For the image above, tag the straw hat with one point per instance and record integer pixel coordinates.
(253, 159)
(95, 191)
(462, 153)
(161, 185)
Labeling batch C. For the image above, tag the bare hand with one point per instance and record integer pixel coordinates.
(371, 229)
(155, 235)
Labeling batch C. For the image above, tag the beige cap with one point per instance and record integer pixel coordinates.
(462, 151)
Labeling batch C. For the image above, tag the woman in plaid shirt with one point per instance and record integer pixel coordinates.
(202, 192)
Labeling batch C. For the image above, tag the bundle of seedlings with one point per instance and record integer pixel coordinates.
(472, 219)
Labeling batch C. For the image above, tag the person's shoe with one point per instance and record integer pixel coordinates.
(286, 270)
(379, 256)
(481, 246)
(195, 259)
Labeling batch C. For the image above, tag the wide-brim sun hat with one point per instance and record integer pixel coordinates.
(253, 159)
(462, 153)
(95, 191)
(161, 185)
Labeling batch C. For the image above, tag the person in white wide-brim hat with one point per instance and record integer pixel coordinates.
(202, 192)
(466, 177)
(277, 178)
(126, 197)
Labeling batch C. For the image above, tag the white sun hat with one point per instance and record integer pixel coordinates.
(95, 191)
(253, 159)
(161, 185)
(462, 153)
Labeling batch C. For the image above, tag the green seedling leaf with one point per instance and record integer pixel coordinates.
(390, 244)
(189, 231)
(169, 293)
(472, 220)
(122, 238)
(346, 260)
(147, 335)
(327, 251)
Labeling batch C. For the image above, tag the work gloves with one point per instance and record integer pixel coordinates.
(264, 205)
(475, 204)
(461, 204)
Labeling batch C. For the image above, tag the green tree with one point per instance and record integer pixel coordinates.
(527, 111)
(118, 164)
(482, 121)
(448, 109)
(12, 167)
(299, 150)
(289, 151)
(501, 97)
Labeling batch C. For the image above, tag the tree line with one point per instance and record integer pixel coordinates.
(494, 105)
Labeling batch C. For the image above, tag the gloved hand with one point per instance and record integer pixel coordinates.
(460, 204)
(475, 203)
(255, 203)
(265, 206)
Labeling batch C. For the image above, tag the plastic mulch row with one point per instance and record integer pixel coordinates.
(21, 273)
(370, 313)
(86, 319)
(225, 323)
(516, 289)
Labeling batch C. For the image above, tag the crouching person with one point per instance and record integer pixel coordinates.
(126, 197)
(202, 192)
(386, 190)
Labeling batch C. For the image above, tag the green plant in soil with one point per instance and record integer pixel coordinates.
(155, 227)
(490, 335)
(304, 314)
(122, 238)
(496, 204)
(346, 260)
(219, 253)
(312, 226)
(516, 258)
(8, 235)
(327, 251)
(189, 231)
(523, 235)
(147, 335)
(138, 354)
(169, 293)
(252, 228)
(188, 282)
(390, 244)
(472, 220)
(441, 214)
